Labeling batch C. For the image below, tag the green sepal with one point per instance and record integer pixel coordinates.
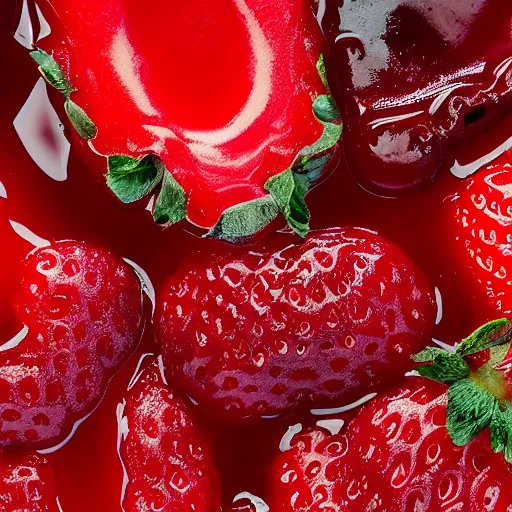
(130, 179)
(492, 334)
(171, 203)
(325, 109)
(289, 192)
(470, 409)
(501, 432)
(242, 221)
(322, 72)
(52, 72)
(446, 367)
(80, 120)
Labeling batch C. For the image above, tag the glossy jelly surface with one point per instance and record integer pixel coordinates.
(77, 206)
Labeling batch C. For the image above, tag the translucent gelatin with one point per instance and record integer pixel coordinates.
(416, 77)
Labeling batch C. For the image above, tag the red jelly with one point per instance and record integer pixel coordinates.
(415, 79)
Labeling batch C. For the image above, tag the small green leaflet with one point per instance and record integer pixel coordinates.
(52, 72)
(171, 203)
(326, 109)
(492, 334)
(289, 191)
(470, 409)
(501, 432)
(242, 221)
(130, 179)
(322, 72)
(445, 367)
(80, 120)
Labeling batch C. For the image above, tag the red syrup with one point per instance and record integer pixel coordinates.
(88, 471)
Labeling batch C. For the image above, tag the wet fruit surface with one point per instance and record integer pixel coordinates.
(80, 209)
(414, 84)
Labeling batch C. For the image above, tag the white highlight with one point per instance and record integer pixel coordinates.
(59, 505)
(122, 434)
(24, 33)
(125, 64)
(162, 369)
(71, 434)
(45, 29)
(344, 408)
(333, 426)
(137, 373)
(3, 192)
(322, 7)
(41, 132)
(145, 281)
(260, 94)
(258, 503)
(439, 302)
(15, 340)
(393, 119)
(28, 235)
(285, 443)
(463, 171)
(445, 346)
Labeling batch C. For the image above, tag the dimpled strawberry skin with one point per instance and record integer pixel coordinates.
(167, 461)
(27, 483)
(483, 215)
(260, 332)
(395, 456)
(83, 310)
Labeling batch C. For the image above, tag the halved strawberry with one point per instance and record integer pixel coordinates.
(284, 326)
(167, 460)
(483, 215)
(27, 483)
(221, 110)
(81, 309)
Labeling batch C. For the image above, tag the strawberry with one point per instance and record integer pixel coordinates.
(81, 309)
(416, 78)
(418, 447)
(167, 461)
(231, 125)
(483, 216)
(27, 483)
(258, 333)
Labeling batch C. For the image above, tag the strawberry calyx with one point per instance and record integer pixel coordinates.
(131, 179)
(480, 386)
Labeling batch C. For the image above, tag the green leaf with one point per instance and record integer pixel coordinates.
(322, 72)
(130, 179)
(80, 120)
(325, 109)
(51, 71)
(170, 206)
(489, 335)
(329, 138)
(240, 222)
(289, 191)
(445, 367)
(470, 409)
(500, 430)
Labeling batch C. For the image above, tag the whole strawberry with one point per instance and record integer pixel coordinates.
(229, 128)
(27, 483)
(483, 213)
(81, 309)
(260, 332)
(167, 461)
(419, 447)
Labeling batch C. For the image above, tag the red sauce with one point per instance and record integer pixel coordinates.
(89, 473)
